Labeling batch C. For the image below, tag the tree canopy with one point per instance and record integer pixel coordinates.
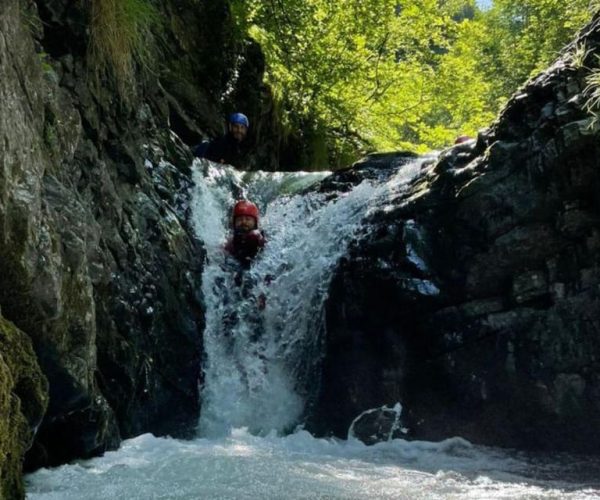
(359, 75)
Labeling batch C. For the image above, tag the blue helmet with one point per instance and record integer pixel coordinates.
(240, 118)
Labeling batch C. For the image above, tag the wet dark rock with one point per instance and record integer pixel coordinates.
(377, 166)
(377, 425)
(474, 299)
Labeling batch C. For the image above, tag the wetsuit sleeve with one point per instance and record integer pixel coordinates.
(226, 150)
(214, 151)
(200, 150)
(258, 237)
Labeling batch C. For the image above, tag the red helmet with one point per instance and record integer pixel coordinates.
(462, 138)
(245, 207)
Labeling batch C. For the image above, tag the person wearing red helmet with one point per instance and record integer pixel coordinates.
(462, 139)
(247, 240)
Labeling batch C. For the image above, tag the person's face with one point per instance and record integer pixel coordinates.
(238, 131)
(244, 222)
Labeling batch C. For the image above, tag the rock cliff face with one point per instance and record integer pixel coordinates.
(98, 266)
(475, 301)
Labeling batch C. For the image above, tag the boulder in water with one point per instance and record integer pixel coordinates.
(377, 425)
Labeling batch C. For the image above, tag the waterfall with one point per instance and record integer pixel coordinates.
(261, 366)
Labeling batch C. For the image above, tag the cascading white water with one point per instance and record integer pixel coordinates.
(259, 365)
(259, 368)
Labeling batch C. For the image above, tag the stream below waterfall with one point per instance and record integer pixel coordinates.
(298, 466)
(261, 371)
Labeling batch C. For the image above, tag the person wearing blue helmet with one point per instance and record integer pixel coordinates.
(231, 148)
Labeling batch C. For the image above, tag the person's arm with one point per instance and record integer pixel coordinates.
(214, 151)
(255, 239)
(200, 150)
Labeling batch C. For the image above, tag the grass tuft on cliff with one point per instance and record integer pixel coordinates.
(122, 39)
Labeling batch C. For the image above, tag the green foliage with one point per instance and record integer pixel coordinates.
(122, 36)
(341, 71)
(353, 76)
(577, 56)
(592, 93)
(46, 66)
(525, 36)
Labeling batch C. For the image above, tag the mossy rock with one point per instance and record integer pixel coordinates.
(23, 402)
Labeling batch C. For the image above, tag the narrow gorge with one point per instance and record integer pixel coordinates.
(464, 285)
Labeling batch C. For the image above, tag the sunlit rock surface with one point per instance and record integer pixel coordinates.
(474, 299)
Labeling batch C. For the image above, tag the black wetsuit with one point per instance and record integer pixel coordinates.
(227, 149)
